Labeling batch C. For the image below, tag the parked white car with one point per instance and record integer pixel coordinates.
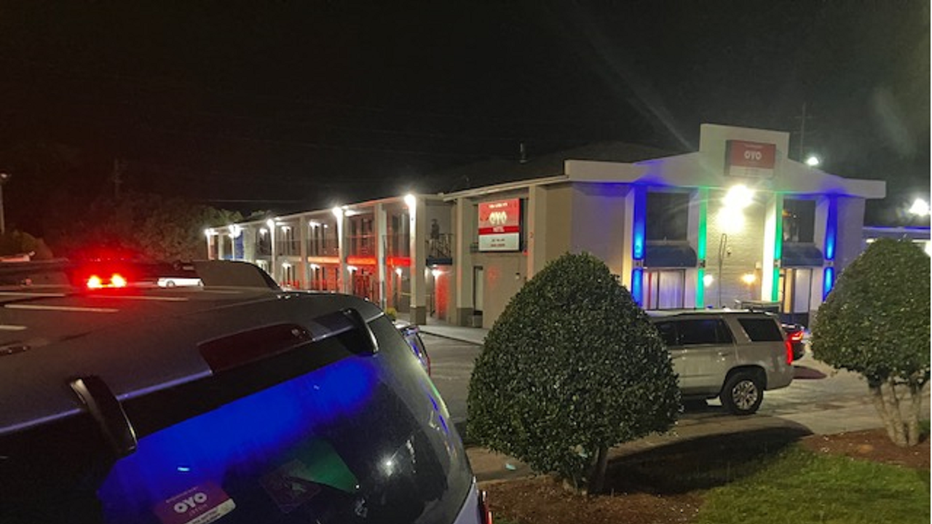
(733, 355)
(179, 282)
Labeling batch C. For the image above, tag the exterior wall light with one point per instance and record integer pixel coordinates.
(920, 208)
(410, 201)
(748, 278)
(337, 212)
(398, 271)
(436, 272)
(813, 161)
(263, 231)
(208, 232)
(351, 268)
(707, 280)
(271, 223)
(738, 197)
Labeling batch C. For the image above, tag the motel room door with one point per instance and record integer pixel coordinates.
(664, 289)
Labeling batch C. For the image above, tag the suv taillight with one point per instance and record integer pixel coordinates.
(789, 351)
(485, 512)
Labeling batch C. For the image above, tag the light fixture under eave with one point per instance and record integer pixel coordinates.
(748, 278)
(398, 271)
(707, 280)
(436, 272)
(271, 223)
(410, 201)
(337, 212)
(738, 197)
(920, 208)
(813, 161)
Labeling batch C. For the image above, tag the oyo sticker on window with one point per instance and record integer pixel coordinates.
(199, 505)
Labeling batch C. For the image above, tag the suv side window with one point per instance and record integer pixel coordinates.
(667, 332)
(761, 329)
(703, 331)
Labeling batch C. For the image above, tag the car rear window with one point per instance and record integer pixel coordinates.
(703, 331)
(365, 438)
(761, 329)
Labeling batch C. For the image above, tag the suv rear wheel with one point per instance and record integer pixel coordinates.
(743, 393)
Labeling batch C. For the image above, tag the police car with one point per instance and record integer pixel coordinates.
(234, 402)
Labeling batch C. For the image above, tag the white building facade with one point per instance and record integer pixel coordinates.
(736, 221)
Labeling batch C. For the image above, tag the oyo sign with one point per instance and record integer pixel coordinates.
(199, 505)
(500, 225)
(750, 159)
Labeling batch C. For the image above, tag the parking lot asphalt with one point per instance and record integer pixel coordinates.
(821, 400)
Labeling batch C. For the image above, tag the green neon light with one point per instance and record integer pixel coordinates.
(701, 246)
(777, 247)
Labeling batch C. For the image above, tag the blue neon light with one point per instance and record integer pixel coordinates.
(828, 281)
(205, 448)
(639, 232)
(637, 286)
(831, 228)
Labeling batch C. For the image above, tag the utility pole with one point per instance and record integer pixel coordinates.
(117, 177)
(802, 132)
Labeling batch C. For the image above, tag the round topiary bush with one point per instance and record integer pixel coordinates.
(572, 367)
(876, 322)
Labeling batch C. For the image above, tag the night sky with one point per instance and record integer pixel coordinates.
(297, 105)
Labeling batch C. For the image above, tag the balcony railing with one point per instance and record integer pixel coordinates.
(440, 246)
(362, 246)
(288, 248)
(397, 245)
(327, 248)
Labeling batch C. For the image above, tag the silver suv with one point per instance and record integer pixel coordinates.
(733, 355)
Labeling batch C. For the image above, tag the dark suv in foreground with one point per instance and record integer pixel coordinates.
(233, 403)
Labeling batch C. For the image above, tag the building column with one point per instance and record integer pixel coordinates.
(220, 243)
(381, 237)
(249, 243)
(342, 246)
(304, 276)
(698, 236)
(773, 249)
(417, 237)
(464, 224)
(636, 222)
(536, 226)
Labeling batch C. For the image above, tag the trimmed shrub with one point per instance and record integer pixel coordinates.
(572, 367)
(876, 322)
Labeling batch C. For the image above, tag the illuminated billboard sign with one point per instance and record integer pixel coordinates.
(500, 225)
(750, 159)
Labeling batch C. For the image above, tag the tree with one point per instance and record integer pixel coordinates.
(571, 368)
(149, 226)
(876, 322)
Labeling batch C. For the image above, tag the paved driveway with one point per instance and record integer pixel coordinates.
(820, 399)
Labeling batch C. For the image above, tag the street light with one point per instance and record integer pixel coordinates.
(920, 208)
(4, 178)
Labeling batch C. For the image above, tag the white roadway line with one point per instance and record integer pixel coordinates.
(9, 327)
(130, 297)
(30, 294)
(76, 309)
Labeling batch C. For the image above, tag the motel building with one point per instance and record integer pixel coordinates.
(735, 222)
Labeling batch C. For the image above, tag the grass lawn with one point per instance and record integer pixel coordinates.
(798, 486)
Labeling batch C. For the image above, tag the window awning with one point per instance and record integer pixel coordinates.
(801, 255)
(669, 255)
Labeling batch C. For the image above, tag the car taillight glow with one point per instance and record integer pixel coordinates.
(117, 280)
(796, 336)
(94, 282)
(789, 351)
(485, 512)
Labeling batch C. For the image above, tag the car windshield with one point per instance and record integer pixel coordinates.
(361, 439)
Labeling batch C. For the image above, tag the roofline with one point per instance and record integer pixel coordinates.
(329, 210)
(507, 186)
